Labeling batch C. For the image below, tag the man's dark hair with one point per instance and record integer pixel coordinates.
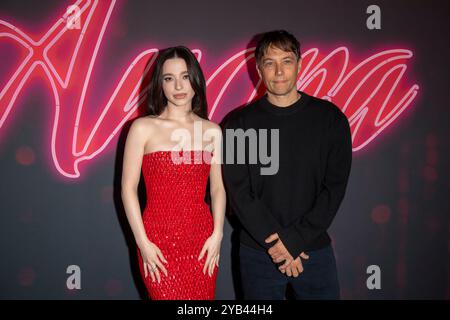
(280, 39)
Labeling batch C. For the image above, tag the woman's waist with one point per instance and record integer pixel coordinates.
(176, 204)
(175, 225)
(175, 196)
(176, 210)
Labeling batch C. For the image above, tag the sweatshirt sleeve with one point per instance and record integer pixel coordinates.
(298, 236)
(253, 214)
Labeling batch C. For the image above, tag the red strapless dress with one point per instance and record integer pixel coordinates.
(177, 219)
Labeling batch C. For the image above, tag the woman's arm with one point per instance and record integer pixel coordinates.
(218, 203)
(152, 256)
(132, 162)
(217, 189)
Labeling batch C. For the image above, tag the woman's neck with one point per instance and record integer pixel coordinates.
(178, 113)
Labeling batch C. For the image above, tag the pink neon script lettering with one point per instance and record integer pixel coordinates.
(372, 93)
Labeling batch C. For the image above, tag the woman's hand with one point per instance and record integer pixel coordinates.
(153, 260)
(212, 246)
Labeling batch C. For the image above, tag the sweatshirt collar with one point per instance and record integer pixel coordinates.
(299, 104)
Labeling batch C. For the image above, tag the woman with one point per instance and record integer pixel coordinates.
(177, 236)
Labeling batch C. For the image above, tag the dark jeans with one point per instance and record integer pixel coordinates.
(261, 279)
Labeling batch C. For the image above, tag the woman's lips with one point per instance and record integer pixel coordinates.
(180, 96)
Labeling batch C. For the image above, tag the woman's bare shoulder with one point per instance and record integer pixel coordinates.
(145, 124)
(208, 124)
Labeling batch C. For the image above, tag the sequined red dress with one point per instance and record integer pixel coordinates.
(178, 221)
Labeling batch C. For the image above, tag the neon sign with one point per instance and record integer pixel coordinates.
(371, 93)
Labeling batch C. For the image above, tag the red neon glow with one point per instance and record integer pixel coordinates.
(371, 93)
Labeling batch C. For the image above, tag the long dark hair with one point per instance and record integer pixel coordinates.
(157, 101)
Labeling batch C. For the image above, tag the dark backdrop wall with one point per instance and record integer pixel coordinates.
(70, 84)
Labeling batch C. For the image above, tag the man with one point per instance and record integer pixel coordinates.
(285, 214)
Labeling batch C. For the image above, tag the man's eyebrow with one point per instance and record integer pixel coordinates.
(284, 58)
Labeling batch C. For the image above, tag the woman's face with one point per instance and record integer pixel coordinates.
(176, 85)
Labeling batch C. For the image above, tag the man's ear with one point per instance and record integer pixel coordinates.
(299, 65)
(259, 72)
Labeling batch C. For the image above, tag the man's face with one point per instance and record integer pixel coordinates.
(279, 69)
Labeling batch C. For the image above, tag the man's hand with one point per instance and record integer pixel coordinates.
(295, 267)
(278, 251)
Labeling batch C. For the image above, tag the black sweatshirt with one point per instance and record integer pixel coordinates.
(300, 201)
